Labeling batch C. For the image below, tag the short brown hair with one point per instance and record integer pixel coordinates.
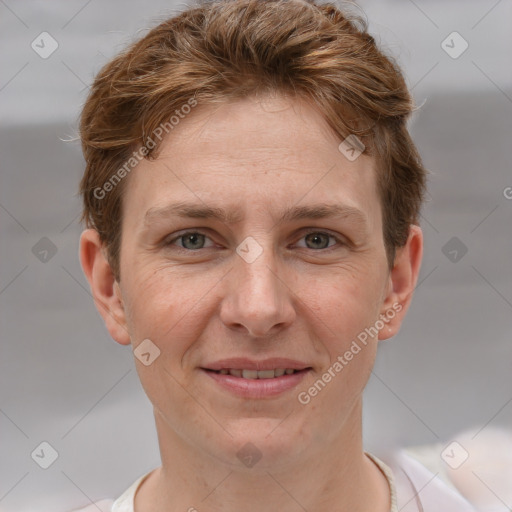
(223, 50)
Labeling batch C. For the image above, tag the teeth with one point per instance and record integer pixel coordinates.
(255, 374)
(266, 374)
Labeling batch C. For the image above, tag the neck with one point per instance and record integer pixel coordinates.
(338, 477)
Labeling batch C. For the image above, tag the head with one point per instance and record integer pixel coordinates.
(283, 245)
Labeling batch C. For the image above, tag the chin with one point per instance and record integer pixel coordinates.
(261, 443)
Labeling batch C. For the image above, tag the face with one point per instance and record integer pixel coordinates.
(253, 243)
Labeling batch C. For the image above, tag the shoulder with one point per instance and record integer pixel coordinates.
(419, 487)
(123, 503)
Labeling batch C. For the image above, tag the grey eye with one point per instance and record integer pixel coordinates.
(192, 240)
(318, 240)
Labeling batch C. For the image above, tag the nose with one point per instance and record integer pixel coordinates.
(258, 299)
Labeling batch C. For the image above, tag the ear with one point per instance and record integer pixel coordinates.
(402, 281)
(105, 289)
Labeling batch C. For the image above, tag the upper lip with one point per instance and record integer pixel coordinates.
(242, 363)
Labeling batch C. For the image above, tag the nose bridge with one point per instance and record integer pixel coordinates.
(258, 271)
(257, 298)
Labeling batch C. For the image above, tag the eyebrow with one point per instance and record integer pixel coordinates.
(294, 213)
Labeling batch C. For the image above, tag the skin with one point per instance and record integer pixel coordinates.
(303, 298)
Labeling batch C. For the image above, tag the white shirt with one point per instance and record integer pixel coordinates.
(413, 488)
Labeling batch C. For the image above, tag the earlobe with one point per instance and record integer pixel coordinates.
(402, 281)
(104, 288)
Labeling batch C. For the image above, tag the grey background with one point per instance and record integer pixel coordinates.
(64, 381)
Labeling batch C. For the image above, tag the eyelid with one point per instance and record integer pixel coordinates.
(169, 240)
(339, 239)
(304, 232)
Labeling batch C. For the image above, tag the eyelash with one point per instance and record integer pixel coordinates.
(171, 241)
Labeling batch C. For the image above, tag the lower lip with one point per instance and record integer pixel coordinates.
(258, 388)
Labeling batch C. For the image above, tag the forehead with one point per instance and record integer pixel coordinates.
(266, 153)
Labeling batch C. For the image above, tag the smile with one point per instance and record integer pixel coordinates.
(255, 374)
(257, 384)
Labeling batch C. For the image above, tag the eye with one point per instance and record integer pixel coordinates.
(190, 240)
(319, 240)
(195, 240)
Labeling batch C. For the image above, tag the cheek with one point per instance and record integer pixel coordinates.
(343, 301)
(168, 307)
(342, 306)
(343, 309)
(145, 307)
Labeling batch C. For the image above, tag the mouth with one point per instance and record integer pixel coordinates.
(257, 374)
(252, 383)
